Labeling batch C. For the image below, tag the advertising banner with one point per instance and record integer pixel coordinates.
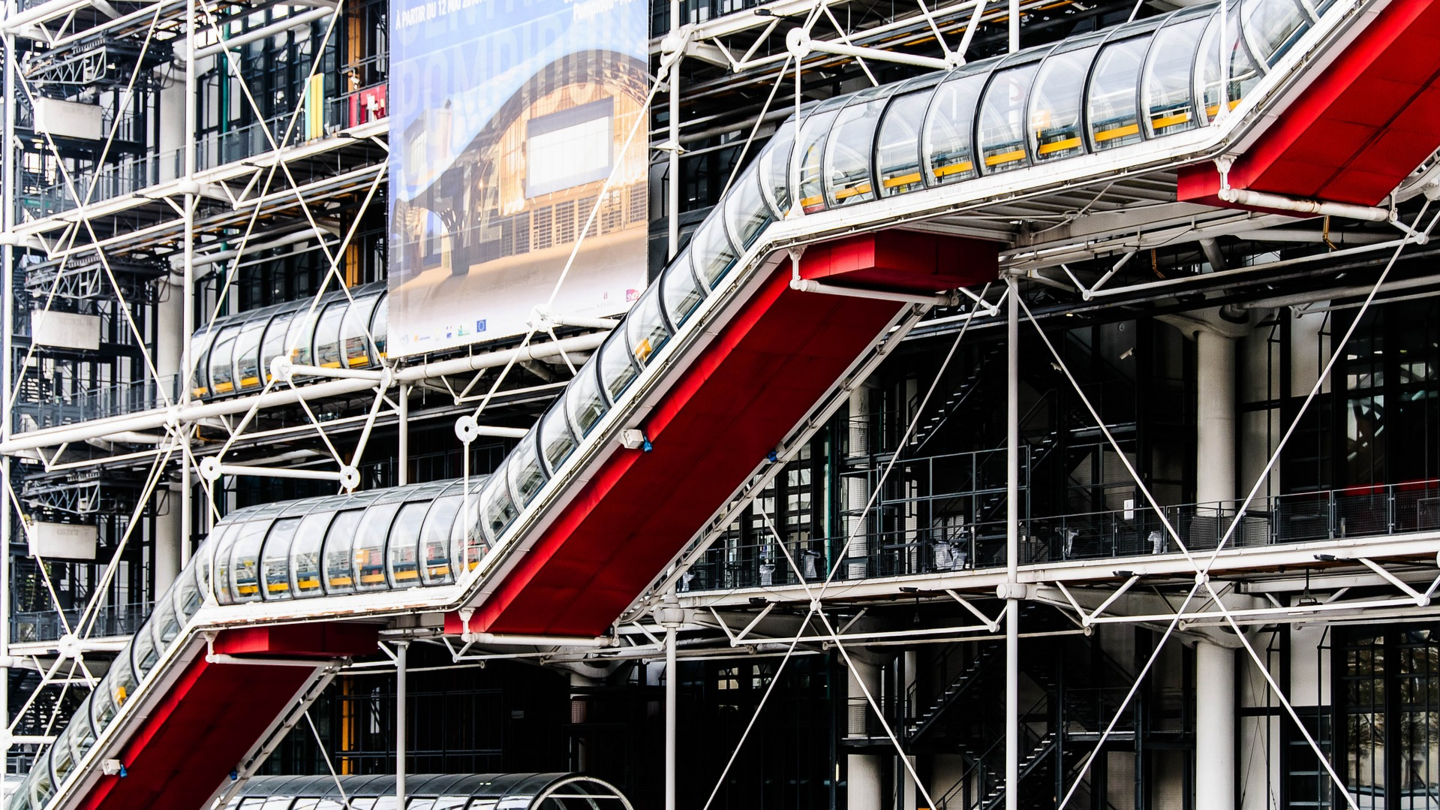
(508, 119)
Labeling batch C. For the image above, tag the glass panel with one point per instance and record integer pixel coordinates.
(646, 326)
(812, 148)
(467, 544)
(202, 341)
(244, 581)
(1168, 89)
(190, 591)
(62, 757)
(617, 368)
(219, 560)
(273, 345)
(327, 334)
(1114, 94)
(1274, 26)
(775, 167)
(222, 369)
(1002, 120)
(370, 546)
(555, 436)
(352, 331)
(435, 540)
(948, 155)
(1055, 105)
(1244, 73)
(82, 734)
(165, 623)
(847, 156)
(122, 680)
(404, 539)
(711, 252)
(897, 150)
(497, 508)
(379, 324)
(143, 652)
(302, 332)
(526, 474)
(745, 209)
(339, 543)
(583, 399)
(681, 293)
(275, 562)
(102, 706)
(305, 552)
(42, 788)
(247, 352)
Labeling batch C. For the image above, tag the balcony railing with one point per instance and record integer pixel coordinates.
(1367, 511)
(118, 399)
(134, 175)
(45, 625)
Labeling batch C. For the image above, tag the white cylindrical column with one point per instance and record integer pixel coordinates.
(863, 783)
(1214, 727)
(169, 537)
(672, 693)
(402, 700)
(857, 484)
(1215, 411)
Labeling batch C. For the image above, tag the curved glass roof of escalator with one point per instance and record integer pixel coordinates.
(509, 791)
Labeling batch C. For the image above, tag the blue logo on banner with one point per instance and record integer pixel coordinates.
(480, 325)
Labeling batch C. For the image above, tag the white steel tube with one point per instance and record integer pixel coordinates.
(280, 472)
(1012, 538)
(811, 286)
(264, 33)
(672, 680)
(402, 654)
(1214, 726)
(1260, 199)
(860, 52)
(187, 287)
(7, 354)
(672, 213)
(402, 472)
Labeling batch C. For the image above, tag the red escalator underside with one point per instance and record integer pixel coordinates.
(1364, 123)
(215, 713)
(770, 364)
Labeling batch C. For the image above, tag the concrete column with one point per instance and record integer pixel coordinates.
(1214, 727)
(169, 538)
(169, 549)
(864, 770)
(1215, 429)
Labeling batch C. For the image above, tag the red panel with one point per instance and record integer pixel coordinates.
(1360, 127)
(733, 405)
(189, 744)
(906, 261)
(327, 640)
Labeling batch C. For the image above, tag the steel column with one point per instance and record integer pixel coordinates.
(402, 650)
(672, 681)
(1012, 541)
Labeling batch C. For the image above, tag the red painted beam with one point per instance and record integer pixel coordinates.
(733, 405)
(215, 713)
(1358, 129)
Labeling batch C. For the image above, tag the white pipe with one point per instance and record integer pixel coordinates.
(1309, 236)
(540, 351)
(672, 683)
(1260, 199)
(402, 419)
(222, 658)
(1336, 292)
(1012, 538)
(500, 639)
(807, 285)
(861, 52)
(263, 33)
(196, 411)
(280, 472)
(1214, 726)
(402, 696)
